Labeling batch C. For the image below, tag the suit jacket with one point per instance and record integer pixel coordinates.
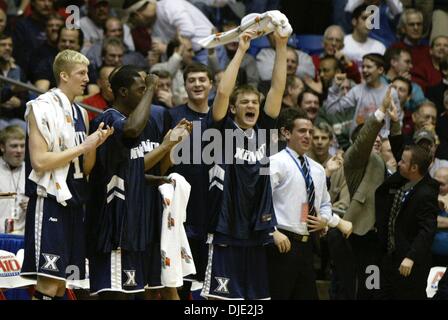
(364, 172)
(416, 223)
(340, 197)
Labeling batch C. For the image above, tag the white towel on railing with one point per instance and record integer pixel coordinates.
(54, 118)
(263, 24)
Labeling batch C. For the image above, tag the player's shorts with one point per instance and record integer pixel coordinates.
(153, 268)
(54, 240)
(236, 273)
(199, 251)
(118, 271)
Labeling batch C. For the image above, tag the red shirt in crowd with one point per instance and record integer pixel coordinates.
(96, 101)
(423, 71)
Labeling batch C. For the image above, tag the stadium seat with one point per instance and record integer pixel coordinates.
(310, 43)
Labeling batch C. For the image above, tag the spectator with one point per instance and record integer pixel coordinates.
(425, 7)
(329, 66)
(139, 16)
(294, 87)
(163, 95)
(112, 52)
(363, 99)
(12, 178)
(358, 44)
(424, 117)
(92, 25)
(68, 39)
(341, 121)
(398, 62)
(113, 28)
(389, 12)
(104, 98)
(309, 102)
(13, 98)
(424, 137)
(181, 55)
(248, 73)
(296, 60)
(29, 32)
(436, 92)
(427, 139)
(170, 18)
(333, 44)
(429, 74)
(410, 27)
(49, 49)
(322, 141)
(320, 152)
(404, 91)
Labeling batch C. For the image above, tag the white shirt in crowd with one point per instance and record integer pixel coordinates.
(182, 16)
(12, 181)
(91, 32)
(355, 50)
(265, 64)
(289, 192)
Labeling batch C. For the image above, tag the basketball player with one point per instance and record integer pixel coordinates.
(58, 159)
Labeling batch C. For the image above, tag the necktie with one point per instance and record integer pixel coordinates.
(309, 186)
(396, 206)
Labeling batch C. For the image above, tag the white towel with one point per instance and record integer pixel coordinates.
(177, 260)
(263, 24)
(54, 118)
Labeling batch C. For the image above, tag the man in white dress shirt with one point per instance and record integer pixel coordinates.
(302, 206)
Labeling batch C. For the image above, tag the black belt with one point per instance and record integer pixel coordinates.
(295, 236)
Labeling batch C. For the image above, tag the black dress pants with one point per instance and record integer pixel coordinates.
(291, 274)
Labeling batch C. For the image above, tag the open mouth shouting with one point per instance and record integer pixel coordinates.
(250, 116)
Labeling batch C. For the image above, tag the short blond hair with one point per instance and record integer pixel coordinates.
(11, 132)
(66, 60)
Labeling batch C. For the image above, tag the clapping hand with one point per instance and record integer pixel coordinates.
(179, 132)
(97, 138)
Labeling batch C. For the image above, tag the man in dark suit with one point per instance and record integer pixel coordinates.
(406, 219)
(364, 171)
